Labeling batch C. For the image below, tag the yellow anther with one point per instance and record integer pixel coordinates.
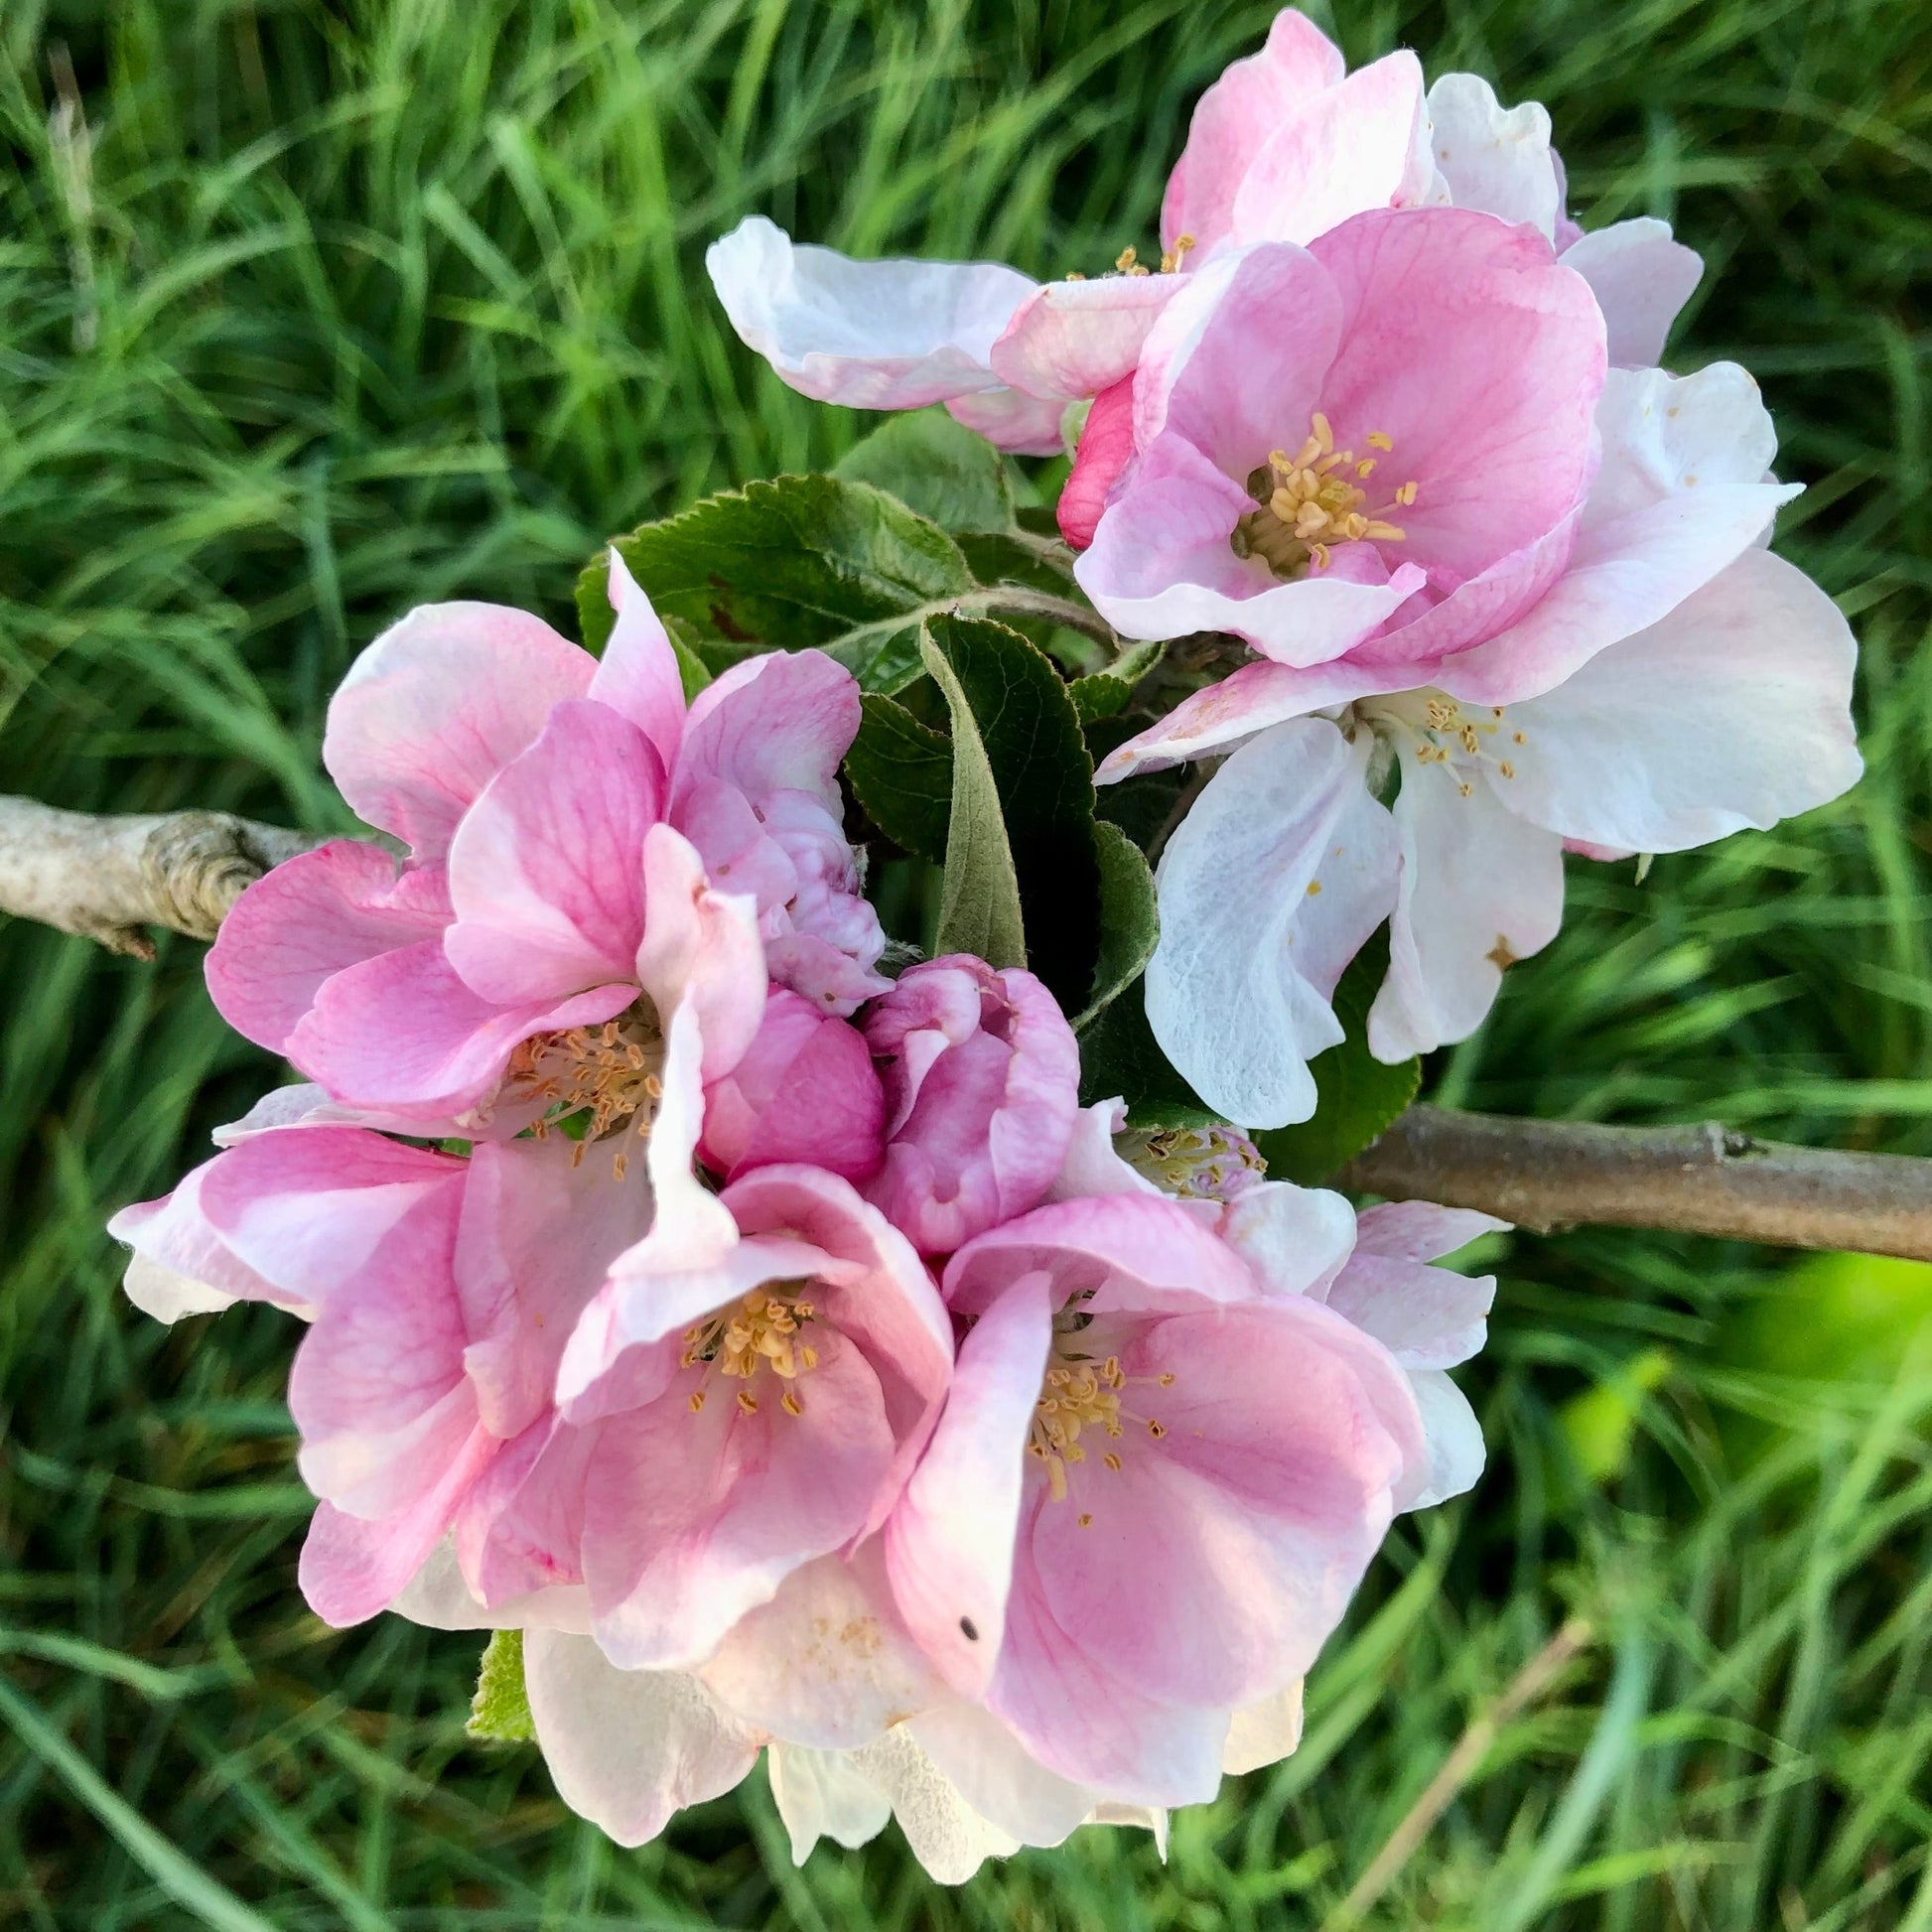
(1377, 441)
(1126, 258)
(697, 1400)
(1311, 500)
(747, 1402)
(791, 1404)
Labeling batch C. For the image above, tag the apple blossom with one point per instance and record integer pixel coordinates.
(982, 1077)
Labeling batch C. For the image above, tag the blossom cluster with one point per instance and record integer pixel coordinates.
(1389, 417)
(780, 1347)
(749, 1313)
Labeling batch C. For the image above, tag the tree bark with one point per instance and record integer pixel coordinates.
(1546, 1174)
(111, 878)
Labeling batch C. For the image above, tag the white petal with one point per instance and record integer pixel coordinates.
(1671, 435)
(1734, 711)
(1425, 1317)
(627, 1748)
(947, 1835)
(826, 1663)
(1641, 277)
(438, 1598)
(1264, 1733)
(165, 1296)
(996, 1775)
(1295, 1239)
(1479, 886)
(822, 1794)
(876, 335)
(1146, 1818)
(1092, 1169)
(1010, 419)
(1494, 160)
(1280, 872)
(1454, 1435)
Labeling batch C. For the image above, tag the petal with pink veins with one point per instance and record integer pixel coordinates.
(702, 945)
(949, 1540)
(546, 870)
(298, 925)
(1359, 145)
(1235, 120)
(638, 676)
(1280, 872)
(437, 706)
(405, 1032)
(1076, 338)
(781, 722)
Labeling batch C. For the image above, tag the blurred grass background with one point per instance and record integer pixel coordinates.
(311, 311)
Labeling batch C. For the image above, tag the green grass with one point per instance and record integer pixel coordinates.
(336, 308)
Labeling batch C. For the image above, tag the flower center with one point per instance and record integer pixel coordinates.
(1197, 1162)
(1437, 730)
(1312, 501)
(762, 1333)
(1082, 1392)
(594, 1082)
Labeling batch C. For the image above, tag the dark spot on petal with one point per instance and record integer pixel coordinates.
(969, 1629)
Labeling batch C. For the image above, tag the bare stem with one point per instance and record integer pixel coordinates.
(1457, 1769)
(1544, 1175)
(110, 878)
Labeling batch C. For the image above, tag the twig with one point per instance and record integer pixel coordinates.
(1545, 1175)
(108, 878)
(1457, 1769)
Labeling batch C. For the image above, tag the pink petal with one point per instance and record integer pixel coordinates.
(701, 945)
(1358, 145)
(1464, 342)
(949, 1542)
(781, 722)
(351, 1569)
(691, 1520)
(404, 1032)
(300, 923)
(1130, 1250)
(1420, 1231)
(1234, 120)
(1010, 419)
(179, 1263)
(437, 706)
(1425, 1317)
(1076, 338)
(639, 676)
(1106, 448)
(546, 870)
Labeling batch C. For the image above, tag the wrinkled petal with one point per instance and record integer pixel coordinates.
(1480, 890)
(1076, 338)
(1641, 277)
(298, 925)
(780, 722)
(822, 1794)
(437, 706)
(629, 1748)
(1282, 869)
(995, 1774)
(946, 1834)
(1493, 159)
(874, 335)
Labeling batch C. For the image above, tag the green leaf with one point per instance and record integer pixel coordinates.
(901, 772)
(1105, 692)
(501, 1710)
(1004, 557)
(936, 467)
(1129, 921)
(1045, 780)
(1120, 1059)
(794, 562)
(596, 621)
(693, 673)
(979, 911)
(1357, 1096)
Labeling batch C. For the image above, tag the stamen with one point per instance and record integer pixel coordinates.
(1081, 1394)
(1309, 503)
(604, 1079)
(762, 1334)
(1171, 260)
(1201, 1163)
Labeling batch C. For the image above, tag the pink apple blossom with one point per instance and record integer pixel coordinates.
(575, 839)
(982, 1076)
(1636, 674)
